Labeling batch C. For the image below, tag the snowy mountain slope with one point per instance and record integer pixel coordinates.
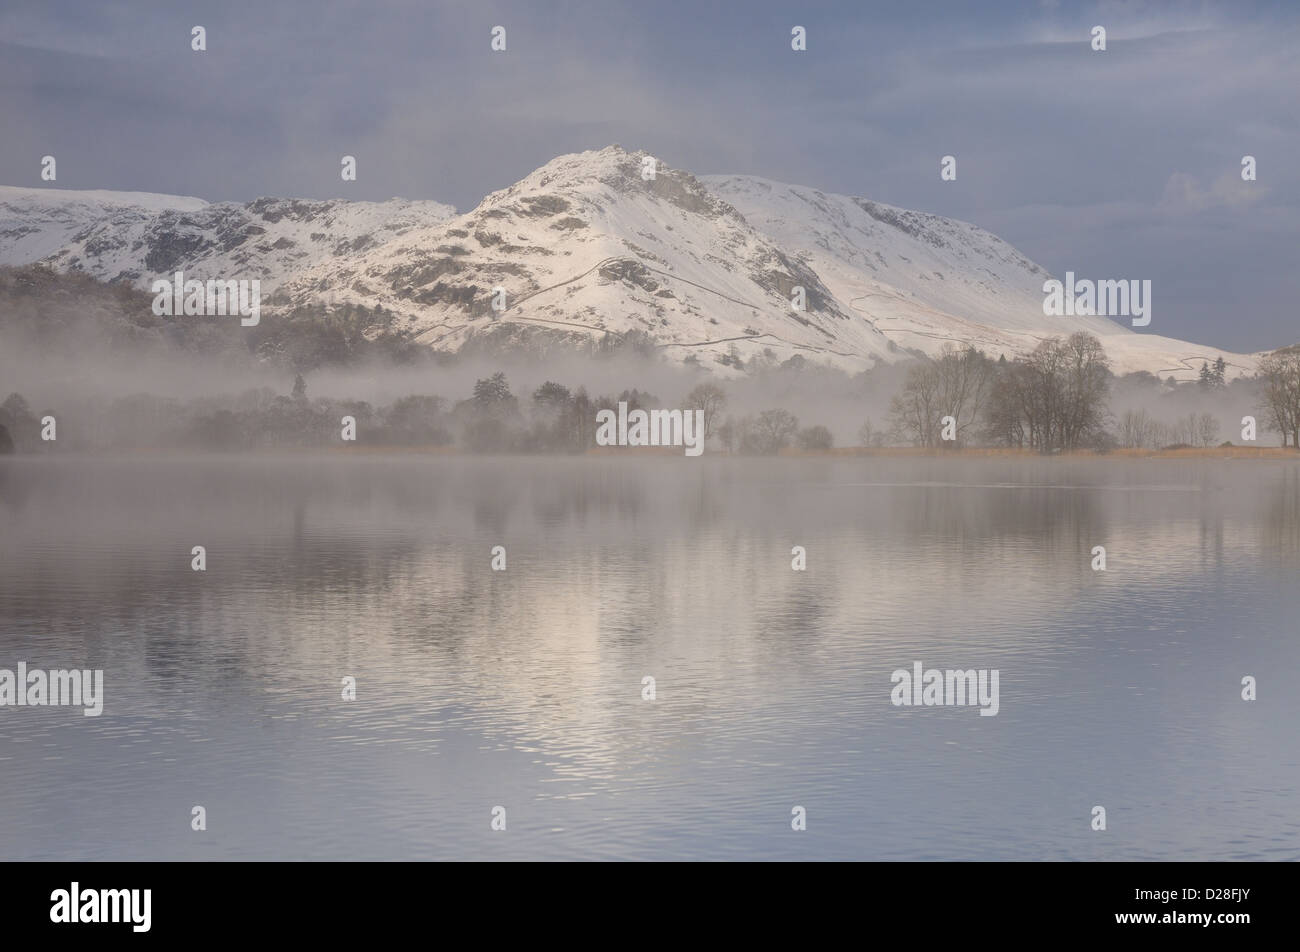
(942, 264)
(37, 222)
(136, 237)
(923, 280)
(585, 245)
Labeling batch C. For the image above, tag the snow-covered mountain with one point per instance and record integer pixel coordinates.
(137, 236)
(585, 245)
(923, 280)
(38, 222)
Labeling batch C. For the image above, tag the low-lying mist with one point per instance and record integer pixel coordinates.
(115, 376)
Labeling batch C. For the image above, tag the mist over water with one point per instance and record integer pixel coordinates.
(522, 688)
(116, 377)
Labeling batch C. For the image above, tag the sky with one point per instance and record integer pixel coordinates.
(1117, 164)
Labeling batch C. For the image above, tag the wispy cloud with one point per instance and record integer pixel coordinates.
(1048, 134)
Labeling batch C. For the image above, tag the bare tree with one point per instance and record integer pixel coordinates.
(866, 432)
(712, 400)
(915, 410)
(1053, 399)
(770, 433)
(1005, 419)
(956, 384)
(1208, 429)
(1135, 429)
(870, 436)
(1280, 372)
(1086, 384)
(965, 379)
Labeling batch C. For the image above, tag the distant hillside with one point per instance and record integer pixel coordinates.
(588, 248)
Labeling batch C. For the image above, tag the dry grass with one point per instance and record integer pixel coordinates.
(980, 452)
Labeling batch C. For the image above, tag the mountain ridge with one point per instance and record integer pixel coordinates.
(703, 266)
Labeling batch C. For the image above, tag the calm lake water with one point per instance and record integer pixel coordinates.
(523, 688)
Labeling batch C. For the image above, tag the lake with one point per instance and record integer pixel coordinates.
(523, 688)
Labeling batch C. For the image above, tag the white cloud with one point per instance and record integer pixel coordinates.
(1183, 193)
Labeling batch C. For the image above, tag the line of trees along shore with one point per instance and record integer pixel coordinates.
(1053, 399)
(1056, 398)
